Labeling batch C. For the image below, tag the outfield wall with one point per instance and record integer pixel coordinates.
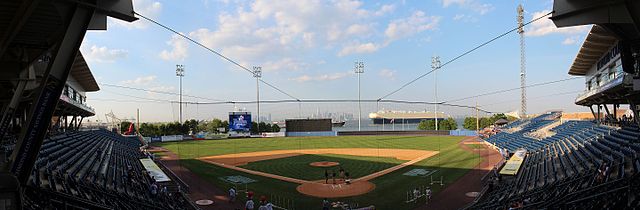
(393, 133)
(311, 133)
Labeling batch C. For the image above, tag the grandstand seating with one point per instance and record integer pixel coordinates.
(518, 139)
(567, 171)
(101, 168)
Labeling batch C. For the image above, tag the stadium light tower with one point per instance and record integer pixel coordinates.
(257, 73)
(523, 72)
(359, 69)
(435, 65)
(180, 73)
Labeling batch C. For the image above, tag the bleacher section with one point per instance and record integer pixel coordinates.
(583, 166)
(99, 168)
(518, 139)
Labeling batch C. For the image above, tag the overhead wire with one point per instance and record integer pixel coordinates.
(214, 52)
(156, 91)
(461, 55)
(513, 89)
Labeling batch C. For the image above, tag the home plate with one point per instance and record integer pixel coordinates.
(204, 202)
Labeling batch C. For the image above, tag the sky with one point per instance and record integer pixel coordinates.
(308, 49)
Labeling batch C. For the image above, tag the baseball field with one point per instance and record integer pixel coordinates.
(291, 170)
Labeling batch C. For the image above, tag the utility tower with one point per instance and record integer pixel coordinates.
(359, 69)
(257, 73)
(180, 74)
(435, 65)
(523, 69)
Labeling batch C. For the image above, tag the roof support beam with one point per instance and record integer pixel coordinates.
(48, 94)
(19, 19)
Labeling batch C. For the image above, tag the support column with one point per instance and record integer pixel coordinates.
(80, 123)
(608, 115)
(599, 120)
(63, 55)
(8, 113)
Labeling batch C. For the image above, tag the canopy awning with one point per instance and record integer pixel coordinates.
(596, 44)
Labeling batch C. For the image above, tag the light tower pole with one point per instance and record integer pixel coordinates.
(257, 73)
(359, 69)
(435, 65)
(523, 70)
(180, 74)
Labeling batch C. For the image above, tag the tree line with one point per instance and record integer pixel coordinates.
(448, 124)
(194, 126)
(470, 122)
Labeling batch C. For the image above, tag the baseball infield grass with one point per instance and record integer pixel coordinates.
(451, 163)
(298, 166)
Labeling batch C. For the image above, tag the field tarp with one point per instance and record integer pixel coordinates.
(513, 164)
(154, 170)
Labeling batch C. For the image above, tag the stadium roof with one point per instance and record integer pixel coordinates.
(596, 44)
(80, 71)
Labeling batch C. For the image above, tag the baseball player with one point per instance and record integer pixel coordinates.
(427, 194)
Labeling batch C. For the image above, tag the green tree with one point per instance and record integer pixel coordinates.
(447, 124)
(275, 128)
(124, 126)
(469, 123)
(191, 126)
(427, 125)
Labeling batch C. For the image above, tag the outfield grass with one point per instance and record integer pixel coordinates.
(452, 162)
(298, 166)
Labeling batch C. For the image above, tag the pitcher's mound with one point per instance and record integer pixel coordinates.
(321, 190)
(324, 164)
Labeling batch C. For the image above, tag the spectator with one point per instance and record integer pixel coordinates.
(164, 190)
(416, 195)
(249, 204)
(232, 195)
(154, 189)
(427, 194)
(325, 204)
(264, 204)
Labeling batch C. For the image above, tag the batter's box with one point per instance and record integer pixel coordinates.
(237, 179)
(419, 172)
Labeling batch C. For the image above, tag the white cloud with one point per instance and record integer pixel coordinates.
(270, 30)
(545, 26)
(570, 40)
(322, 77)
(474, 5)
(357, 48)
(148, 8)
(140, 80)
(179, 49)
(361, 30)
(104, 54)
(458, 17)
(385, 9)
(285, 64)
(416, 23)
(388, 74)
